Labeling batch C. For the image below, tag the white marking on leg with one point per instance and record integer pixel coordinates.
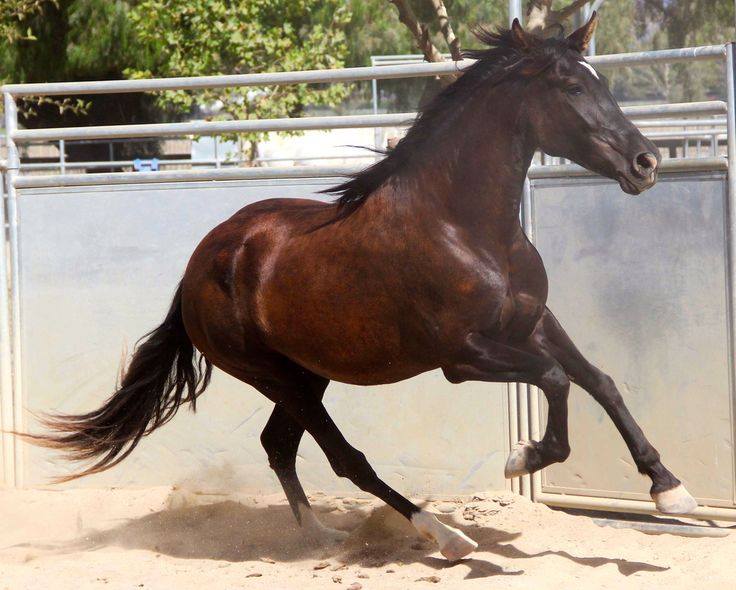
(590, 68)
(454, 544)
(312, 525)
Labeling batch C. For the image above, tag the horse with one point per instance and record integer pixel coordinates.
(420, 263)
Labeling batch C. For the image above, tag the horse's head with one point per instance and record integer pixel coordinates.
(572, 113)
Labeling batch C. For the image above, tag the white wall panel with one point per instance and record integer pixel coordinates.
(98, 268)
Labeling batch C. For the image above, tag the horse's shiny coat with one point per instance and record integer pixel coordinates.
(422, 264)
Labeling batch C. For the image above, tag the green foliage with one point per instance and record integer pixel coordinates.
(69, 40)
(639, 25)
(206, 37)
(14, 16)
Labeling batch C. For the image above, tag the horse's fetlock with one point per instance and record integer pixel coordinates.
(561, 452)
(453, 375)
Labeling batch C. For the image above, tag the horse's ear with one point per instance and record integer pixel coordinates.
(522, 40)
(580, 39)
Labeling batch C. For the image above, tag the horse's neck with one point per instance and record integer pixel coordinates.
(479, 169)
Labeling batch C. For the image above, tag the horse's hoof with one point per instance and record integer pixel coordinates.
(453, 543)
(458, 546)
(518, 461)
(675, 501)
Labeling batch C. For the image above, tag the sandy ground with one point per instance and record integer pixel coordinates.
(167, 539)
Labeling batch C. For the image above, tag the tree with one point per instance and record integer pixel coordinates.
(71, 40)
(684, 23)
(626, 25)
(243, 36)
(420, 16)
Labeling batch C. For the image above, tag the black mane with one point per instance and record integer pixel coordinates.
(501, 60)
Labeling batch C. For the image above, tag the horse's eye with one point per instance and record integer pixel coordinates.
(575, 90)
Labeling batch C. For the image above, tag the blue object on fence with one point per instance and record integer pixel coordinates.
(145, 165)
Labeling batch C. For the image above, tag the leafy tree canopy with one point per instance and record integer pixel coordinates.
(243, 36)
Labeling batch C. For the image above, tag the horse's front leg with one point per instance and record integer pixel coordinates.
(667, 491)
(483, 359)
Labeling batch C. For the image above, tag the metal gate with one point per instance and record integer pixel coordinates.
(90, 262)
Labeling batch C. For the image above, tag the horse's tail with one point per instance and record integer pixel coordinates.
(164, 373)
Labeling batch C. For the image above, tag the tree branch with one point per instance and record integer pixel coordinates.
(452, 41)
(418, 31)
(570, 9)
(545, 22)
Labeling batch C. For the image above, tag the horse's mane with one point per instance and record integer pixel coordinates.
(501, 60)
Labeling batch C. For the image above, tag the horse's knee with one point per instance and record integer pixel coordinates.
(554, 381)
(606, 393)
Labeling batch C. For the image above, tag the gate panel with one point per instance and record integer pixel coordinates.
(98, 268)
(640, 284)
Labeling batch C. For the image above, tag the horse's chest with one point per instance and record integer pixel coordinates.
(527, 293)
(510, 298)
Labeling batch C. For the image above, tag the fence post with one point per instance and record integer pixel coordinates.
(10, 312)
(515, 11)
(6, 376)
(62, 156)
(731, 223)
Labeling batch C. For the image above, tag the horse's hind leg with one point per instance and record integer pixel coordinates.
(668, 493)
(280, 438)
(309, 412)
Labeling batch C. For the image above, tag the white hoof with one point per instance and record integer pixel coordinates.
(518, 460)
(314, 529)
(675, 501)
(453, 543)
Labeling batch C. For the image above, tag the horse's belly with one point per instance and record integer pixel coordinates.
(350, 344)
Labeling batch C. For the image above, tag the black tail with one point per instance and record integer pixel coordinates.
(164, 373)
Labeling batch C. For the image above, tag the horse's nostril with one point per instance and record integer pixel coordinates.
(645, 163)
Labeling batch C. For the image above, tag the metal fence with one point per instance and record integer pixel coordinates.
(523, 404)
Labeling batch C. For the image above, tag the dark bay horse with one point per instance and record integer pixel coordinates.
(420, 264)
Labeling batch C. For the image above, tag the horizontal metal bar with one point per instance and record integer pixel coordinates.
(673, 165)
(689, 134)
(419, 70)
(640, 58)
(709, 107)
(704, 122)
(214, 127)
(304, 123)
(336, 75)
(535, 172)
(619, 505)
(185, 162)
(63, 180)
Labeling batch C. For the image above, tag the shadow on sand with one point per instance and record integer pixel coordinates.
(235, 532)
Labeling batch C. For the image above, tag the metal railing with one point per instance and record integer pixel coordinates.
(380, 72)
